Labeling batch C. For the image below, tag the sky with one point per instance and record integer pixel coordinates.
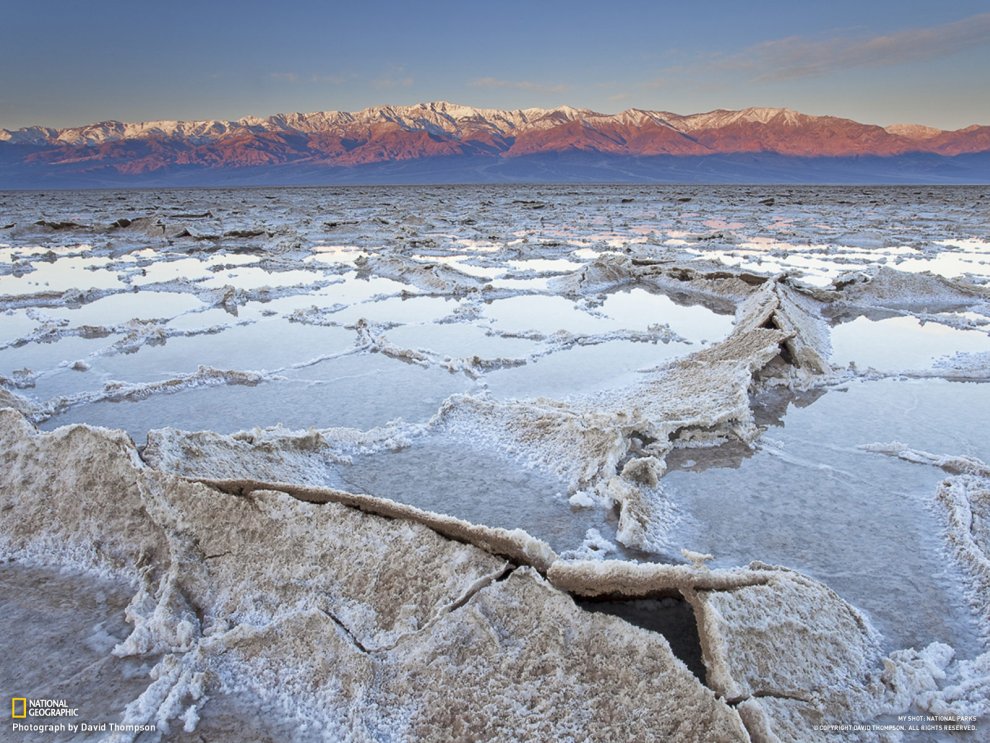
(73, 62)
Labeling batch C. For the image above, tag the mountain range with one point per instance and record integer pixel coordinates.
(446, 142)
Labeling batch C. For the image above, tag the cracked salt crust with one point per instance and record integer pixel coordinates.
(616, 441)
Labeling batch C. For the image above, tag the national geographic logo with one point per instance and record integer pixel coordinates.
(22, 708)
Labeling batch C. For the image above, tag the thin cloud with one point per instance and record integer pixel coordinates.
(673, 75)
(285, 77)
(797, 57)
(397, 77)
(330, 79)
(527, 85)
(292, 77)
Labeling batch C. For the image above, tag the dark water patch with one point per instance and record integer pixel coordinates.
(671, 617)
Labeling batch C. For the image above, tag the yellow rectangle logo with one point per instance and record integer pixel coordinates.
(13, 708)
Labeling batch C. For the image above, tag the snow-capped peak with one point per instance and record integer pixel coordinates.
(436, 117)
(913, 131)
(721, 118)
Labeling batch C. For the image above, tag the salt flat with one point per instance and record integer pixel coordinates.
(605, 376)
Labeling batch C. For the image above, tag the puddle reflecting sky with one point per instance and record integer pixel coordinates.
(901, 343)
(863, 523)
